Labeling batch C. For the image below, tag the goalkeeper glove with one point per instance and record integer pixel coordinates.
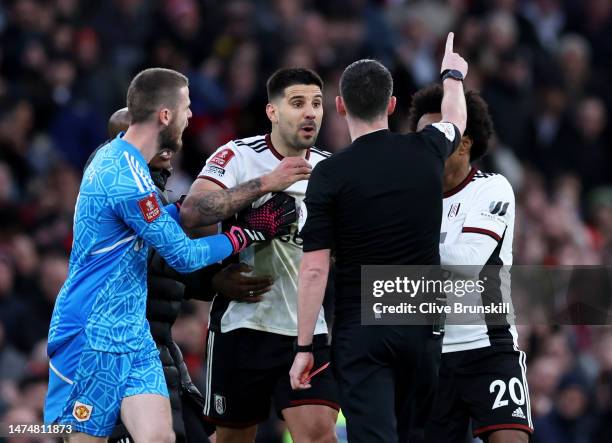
(263, 223)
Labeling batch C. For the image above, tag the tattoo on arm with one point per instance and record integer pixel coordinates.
(216, 206)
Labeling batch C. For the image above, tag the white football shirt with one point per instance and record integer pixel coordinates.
(478, 229)
(232, 164)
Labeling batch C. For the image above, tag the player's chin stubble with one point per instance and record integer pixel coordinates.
(171, 138)
(302, 143)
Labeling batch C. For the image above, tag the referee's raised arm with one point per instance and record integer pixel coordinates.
(376, 202)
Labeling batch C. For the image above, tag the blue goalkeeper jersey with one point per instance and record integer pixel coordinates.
(117, 216)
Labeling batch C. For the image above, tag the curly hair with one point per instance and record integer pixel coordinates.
(479, 124)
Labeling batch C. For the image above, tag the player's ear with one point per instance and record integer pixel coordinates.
(391, 105)
(271, 113)
(340, 108)
(465, 145)
(165, 116)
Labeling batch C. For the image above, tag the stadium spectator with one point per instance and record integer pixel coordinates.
(567, 421)
(12, 363)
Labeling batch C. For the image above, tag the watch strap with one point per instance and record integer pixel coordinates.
(451, 73)
(303, 348)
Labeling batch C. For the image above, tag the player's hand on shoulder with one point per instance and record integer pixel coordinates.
(231, 282)
(288, 171)
(452, 60)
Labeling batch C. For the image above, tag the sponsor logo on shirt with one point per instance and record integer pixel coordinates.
(498, 208)
(149, 208)
(222, 158)
(214, 170)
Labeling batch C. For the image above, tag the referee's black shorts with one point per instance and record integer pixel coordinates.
(385, 372)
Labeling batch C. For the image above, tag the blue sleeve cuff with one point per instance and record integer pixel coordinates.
(173, 211)
(220, 247)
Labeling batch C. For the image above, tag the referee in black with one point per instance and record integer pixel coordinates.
(377, 202)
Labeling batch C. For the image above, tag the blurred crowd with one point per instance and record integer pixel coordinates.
(542, 65)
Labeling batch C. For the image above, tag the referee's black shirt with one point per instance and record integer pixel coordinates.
(378, 202)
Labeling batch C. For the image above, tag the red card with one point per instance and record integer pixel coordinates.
(312, 374)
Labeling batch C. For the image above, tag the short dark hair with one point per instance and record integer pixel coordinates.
(152, 88)
(285, 77)
(479, 125)
(366, 87)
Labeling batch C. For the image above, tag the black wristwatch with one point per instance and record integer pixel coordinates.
(302, 348)
(451, 73)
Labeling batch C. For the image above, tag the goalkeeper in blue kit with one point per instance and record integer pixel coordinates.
(103, 360)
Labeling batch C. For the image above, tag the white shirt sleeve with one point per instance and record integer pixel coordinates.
(470, 250)
(484, 227)
(493, 209)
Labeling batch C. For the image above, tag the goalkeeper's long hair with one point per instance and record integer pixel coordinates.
(479, 124)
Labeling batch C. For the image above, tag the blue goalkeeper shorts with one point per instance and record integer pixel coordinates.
(86, 386)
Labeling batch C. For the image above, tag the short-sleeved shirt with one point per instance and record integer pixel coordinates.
(378, 202)
(237, 162)
(482, 204)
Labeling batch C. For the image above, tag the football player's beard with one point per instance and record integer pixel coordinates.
(171, 139)
(295, 141)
